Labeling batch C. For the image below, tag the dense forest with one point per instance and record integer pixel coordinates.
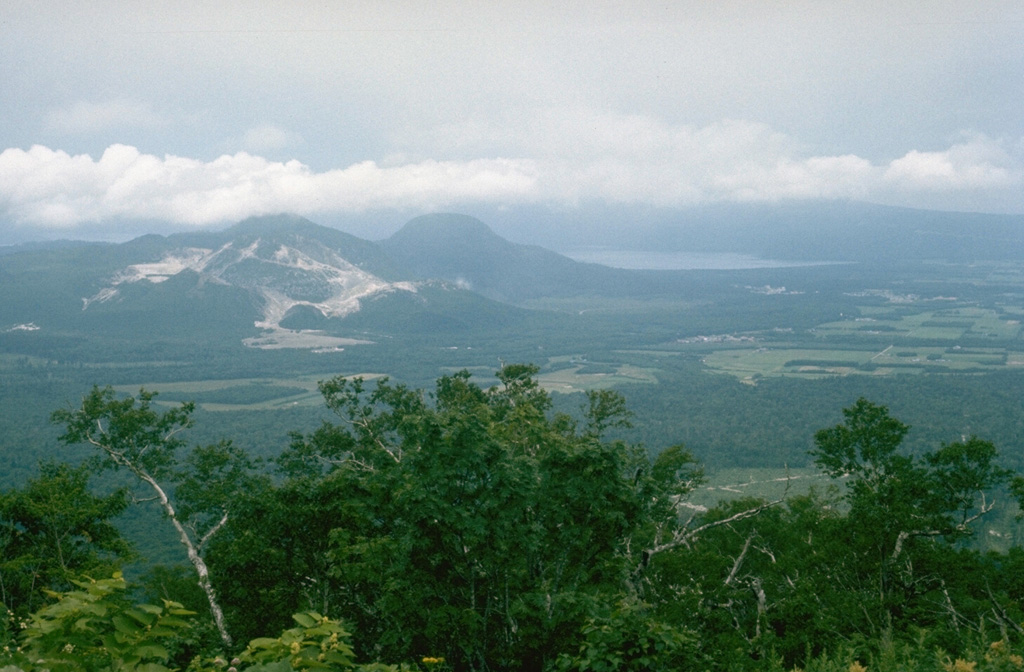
(487, 528)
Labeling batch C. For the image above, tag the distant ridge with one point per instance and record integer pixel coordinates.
(465, 251)
(265, 279)
(814, 230)
(270, 282)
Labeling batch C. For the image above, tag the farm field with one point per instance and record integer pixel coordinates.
(257, 394)
(881, 340)
(239, 394)
(762, 483)
(943, 324)
(586, 376)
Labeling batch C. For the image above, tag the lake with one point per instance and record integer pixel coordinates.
(669, 261)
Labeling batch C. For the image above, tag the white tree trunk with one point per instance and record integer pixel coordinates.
(194, 557)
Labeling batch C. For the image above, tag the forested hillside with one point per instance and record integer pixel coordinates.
(476, 528)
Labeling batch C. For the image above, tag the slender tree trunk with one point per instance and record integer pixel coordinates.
(194, 557)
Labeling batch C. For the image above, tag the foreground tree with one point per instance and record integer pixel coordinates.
(469, 523)
(130, 435)
(880, 555)
(898, 503)
(54, 530)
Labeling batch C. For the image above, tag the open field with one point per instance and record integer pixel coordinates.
(240, 394)
(576, 379)
(751, 364)
(897, 337)
(942, 324)
(880, 340)
(254, 394)
(768, 484)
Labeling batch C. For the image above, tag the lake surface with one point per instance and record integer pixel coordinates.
(674, 261)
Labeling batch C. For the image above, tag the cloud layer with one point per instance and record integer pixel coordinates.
(53, 189)
(202, 113)
(594, 158)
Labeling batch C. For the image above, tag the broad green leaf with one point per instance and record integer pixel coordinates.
(306, 620)
(170, 622)
(151, 651)
(125, 625)
(141, 616)
(152, 667)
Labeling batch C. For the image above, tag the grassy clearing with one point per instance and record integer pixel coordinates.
(220, 395)
(221, 392)
(757, 362)
(571, 380)
(947, 324)
(750, 361)
(749, 365)
(767, 484)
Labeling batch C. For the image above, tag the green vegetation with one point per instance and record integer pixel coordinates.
(475, 528)
(877, 343)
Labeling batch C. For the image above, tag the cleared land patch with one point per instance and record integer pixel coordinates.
(576, 378)
(882, 340)
(768, 484)
(239, 394)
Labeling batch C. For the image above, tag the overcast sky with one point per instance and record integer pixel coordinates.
(203, 113)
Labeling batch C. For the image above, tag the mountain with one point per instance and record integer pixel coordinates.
(805, 230)
(285, 282)
(464, 251)
(282, 263)
(269, 282)
(851, 231)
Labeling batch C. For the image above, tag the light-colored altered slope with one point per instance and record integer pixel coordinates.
(282, 276)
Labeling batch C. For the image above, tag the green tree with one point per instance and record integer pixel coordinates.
(900, 506)
(879, 554)
(467, 523)
(130, 435)
(54, 530)
(275, 557)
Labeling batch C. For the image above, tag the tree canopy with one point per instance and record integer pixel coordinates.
(472, 528)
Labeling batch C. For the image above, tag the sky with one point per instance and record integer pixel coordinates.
(189, 115)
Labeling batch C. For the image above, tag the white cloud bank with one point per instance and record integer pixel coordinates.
(612, 159)
(53, 189)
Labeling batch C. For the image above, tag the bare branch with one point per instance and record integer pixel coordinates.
(962, 527)
(683, 537)
(213, 530)
(1000, 613)
(739, 559)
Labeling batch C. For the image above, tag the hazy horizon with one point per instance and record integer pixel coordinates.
(193, 116)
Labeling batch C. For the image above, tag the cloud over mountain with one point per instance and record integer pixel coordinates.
(200, 113)
(53, 189)
(567, 160)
